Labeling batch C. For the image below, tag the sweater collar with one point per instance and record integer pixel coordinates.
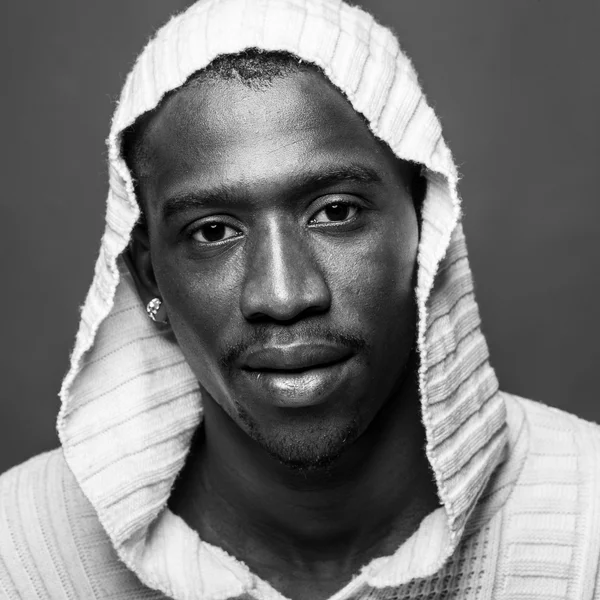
(130, 403)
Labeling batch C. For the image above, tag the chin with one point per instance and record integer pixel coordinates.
(304, 443)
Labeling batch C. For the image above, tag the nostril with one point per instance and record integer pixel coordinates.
(283, 281)
(265, 302)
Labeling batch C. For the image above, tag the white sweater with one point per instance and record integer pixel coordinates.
(517, 482)
(535, 533)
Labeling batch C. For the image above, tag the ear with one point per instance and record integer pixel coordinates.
(139, 262)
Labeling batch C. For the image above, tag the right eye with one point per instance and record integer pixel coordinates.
(214, 231)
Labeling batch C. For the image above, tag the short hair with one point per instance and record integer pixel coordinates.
(253, 67)
(256, 69)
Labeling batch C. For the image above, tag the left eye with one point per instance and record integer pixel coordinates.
(335, 213)
(214, 232)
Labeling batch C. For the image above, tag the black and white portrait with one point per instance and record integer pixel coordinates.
(299, 301)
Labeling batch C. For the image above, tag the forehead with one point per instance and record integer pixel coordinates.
(217, 132)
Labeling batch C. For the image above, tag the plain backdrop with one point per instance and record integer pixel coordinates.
(515, 83)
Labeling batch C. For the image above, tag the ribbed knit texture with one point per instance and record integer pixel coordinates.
(130, 403)
(533, 535)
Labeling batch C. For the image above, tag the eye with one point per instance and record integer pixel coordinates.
(335, 213)
(213, 232)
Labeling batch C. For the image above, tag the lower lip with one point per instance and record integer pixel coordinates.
(290, 389)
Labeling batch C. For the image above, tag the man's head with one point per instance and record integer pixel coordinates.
(281, 236)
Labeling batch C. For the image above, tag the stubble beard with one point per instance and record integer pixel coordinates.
(303, 447)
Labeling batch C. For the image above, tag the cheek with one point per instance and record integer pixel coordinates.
(198, 293)
(202, 306)
(375, 284)
(386, 300)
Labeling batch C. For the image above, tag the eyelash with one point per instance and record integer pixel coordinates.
(351, 204)
(198, 229)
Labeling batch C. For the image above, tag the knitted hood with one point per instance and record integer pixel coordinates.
(130, 403)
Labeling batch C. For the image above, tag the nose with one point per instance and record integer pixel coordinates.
(283, 280)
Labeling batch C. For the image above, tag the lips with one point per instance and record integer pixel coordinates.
(300, 374)
(293, 358)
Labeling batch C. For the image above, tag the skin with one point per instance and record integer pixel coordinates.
(276, 220)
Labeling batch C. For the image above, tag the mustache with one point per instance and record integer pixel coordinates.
(265, 336)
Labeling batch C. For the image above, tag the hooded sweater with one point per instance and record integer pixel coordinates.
(518, 483)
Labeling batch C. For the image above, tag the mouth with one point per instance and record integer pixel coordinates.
(294, 370)
(295, 358)
(297, 375)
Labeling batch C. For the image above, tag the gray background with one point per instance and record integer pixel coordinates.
(515, 83)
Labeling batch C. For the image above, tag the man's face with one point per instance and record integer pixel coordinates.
(283, 243)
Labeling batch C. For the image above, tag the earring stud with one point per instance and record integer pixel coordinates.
(153, 307)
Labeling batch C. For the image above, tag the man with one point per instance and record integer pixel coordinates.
(279, 387)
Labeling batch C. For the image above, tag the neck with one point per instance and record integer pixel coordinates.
(364, 505)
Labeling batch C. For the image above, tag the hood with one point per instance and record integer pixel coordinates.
(130, 403)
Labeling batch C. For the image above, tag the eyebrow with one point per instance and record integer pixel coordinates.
(304, 183)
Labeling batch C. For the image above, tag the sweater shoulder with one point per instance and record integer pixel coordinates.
(545, 419)
(552, 519)
(47, 465)
(562, 441)
(30, 493)
(52, 544)
(33, 491)
(37, 542)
